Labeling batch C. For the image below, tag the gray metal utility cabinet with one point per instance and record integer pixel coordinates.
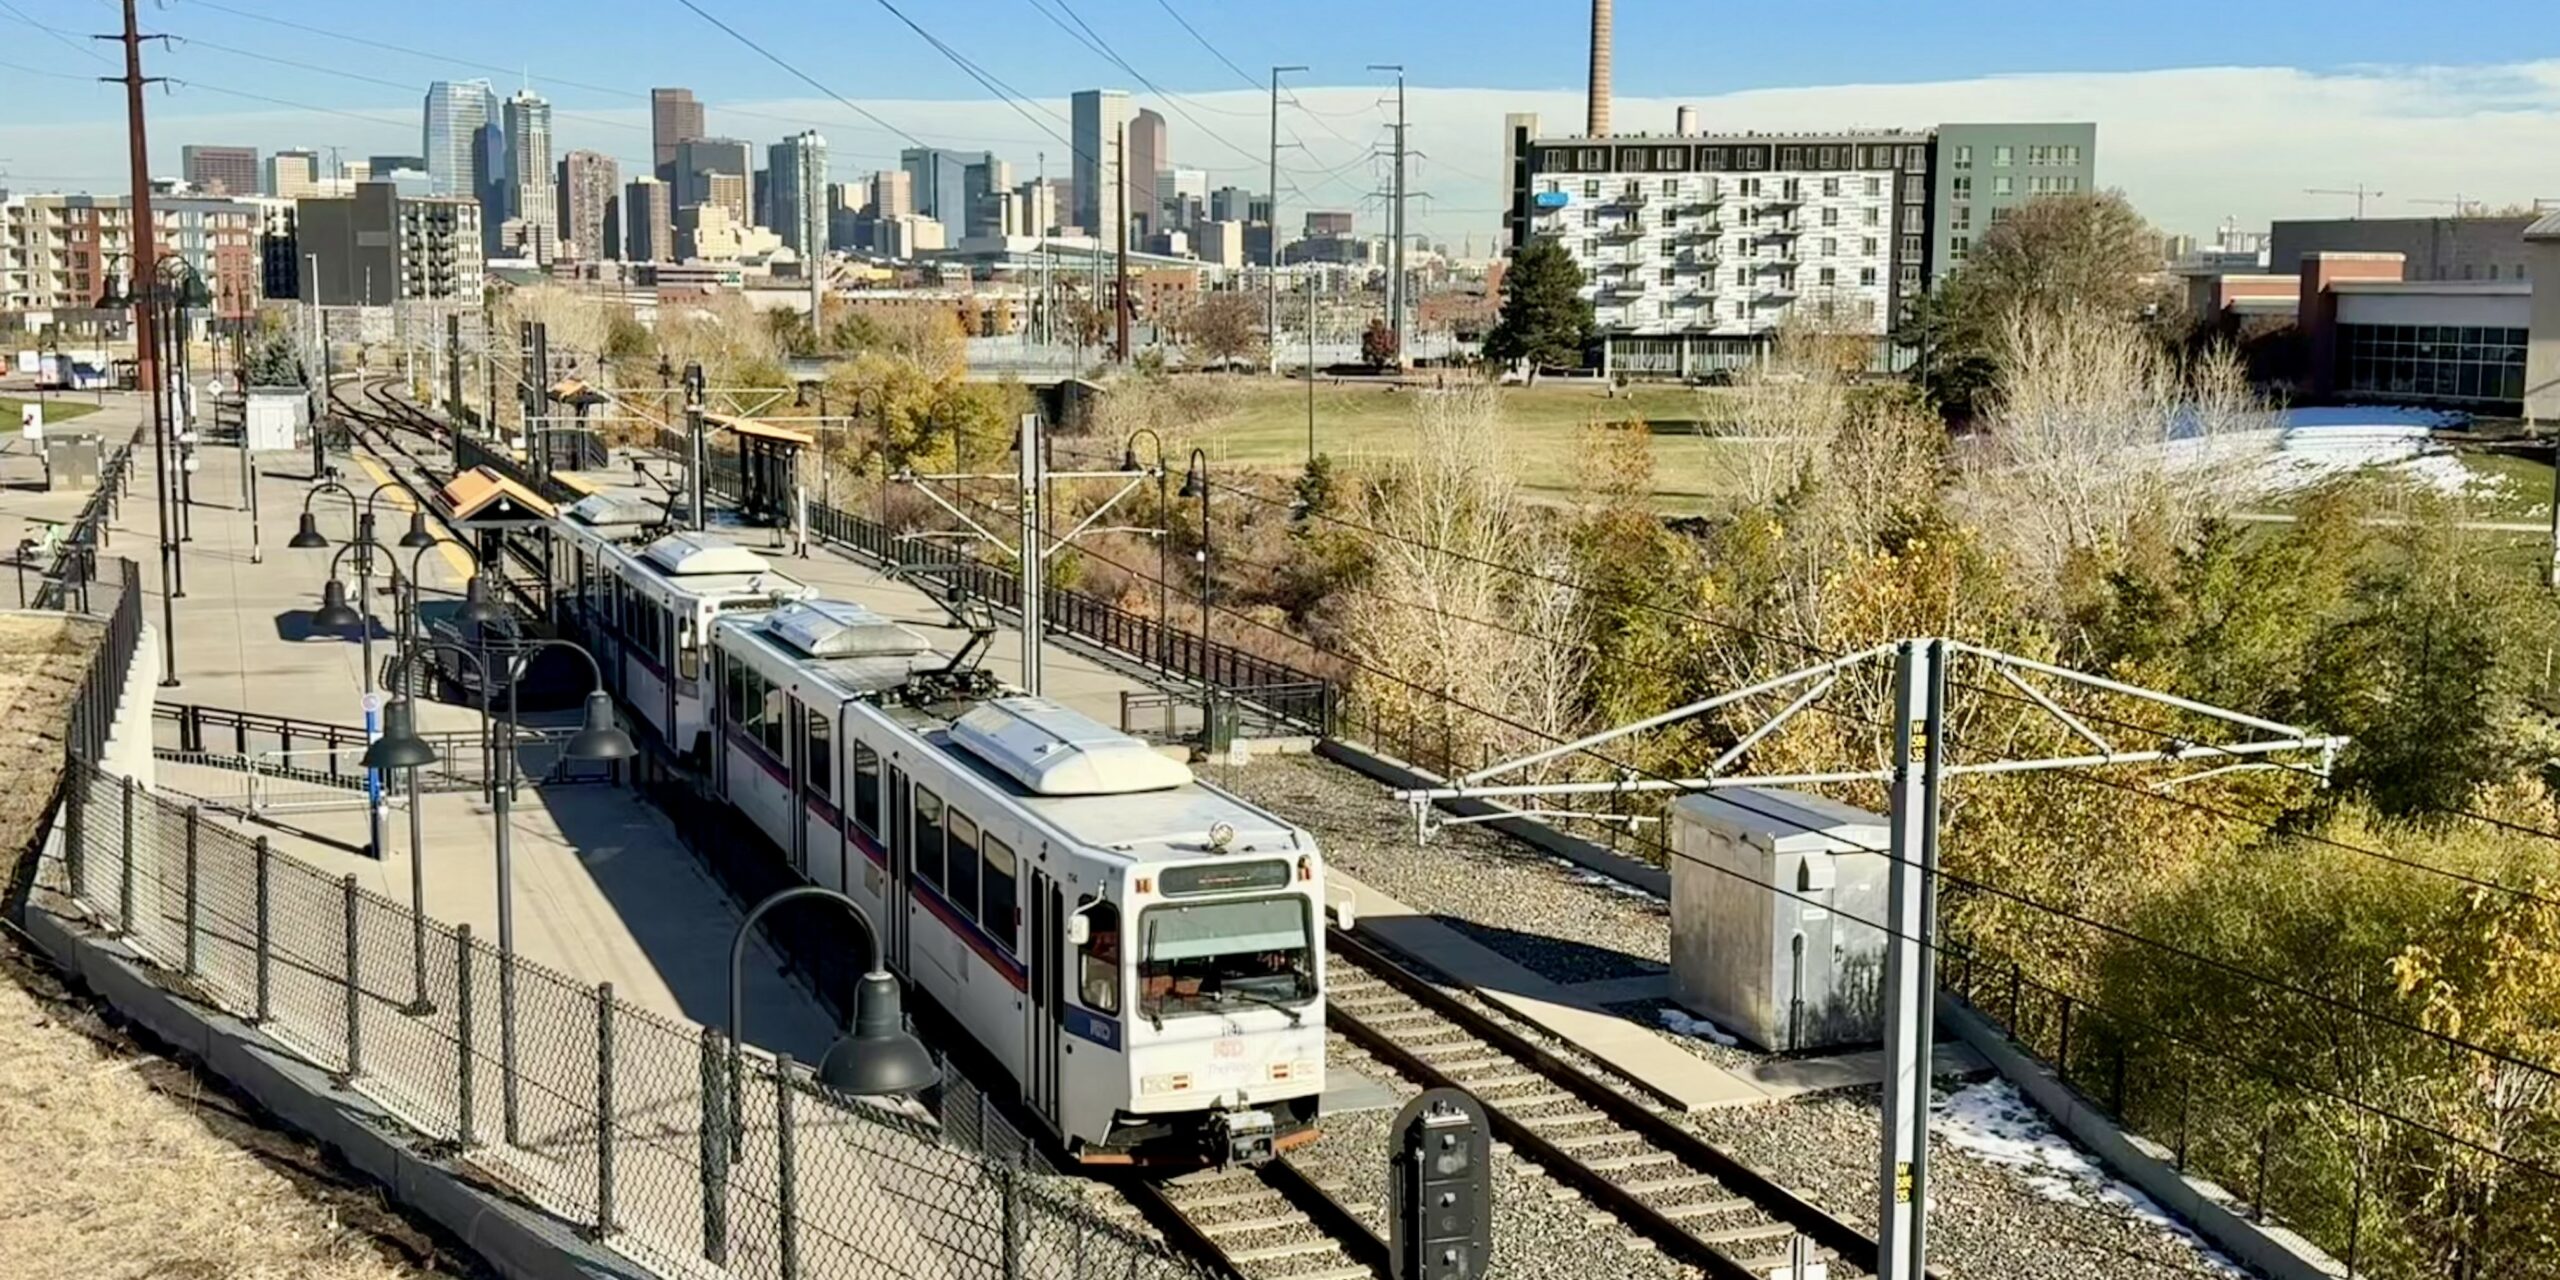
(1767, 888)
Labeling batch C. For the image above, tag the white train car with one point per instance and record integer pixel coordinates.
(1140, 950)
(648, 610)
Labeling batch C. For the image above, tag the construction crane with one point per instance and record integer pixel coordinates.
(2462, 208)
(2360, 191)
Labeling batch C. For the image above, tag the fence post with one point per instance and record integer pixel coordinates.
(195, 819)
(124, 886)
(465, 1101)
(2258, 1202)
(354, 988)
(2062, 1051)
(2017, 976)
(604, 1110)
(266, 932)
(786, 1171)
(715, 1149)
(76, 827)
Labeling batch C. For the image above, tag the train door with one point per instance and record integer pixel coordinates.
(1046, 1009)
(899, 820)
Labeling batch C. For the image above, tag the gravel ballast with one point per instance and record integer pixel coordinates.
(1987, 1221)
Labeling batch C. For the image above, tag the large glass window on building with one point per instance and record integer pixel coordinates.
(2433, 362)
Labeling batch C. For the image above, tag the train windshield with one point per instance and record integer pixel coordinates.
(1199, 957)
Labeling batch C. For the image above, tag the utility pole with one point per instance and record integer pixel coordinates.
(1395, 224)
(1271, 247)
(146, 322)
(1120, 174)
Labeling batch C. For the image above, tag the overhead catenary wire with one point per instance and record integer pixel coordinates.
(1978, 886)
(1679, 615)
(1882, 927)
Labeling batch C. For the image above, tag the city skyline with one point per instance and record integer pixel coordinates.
(2191, 148)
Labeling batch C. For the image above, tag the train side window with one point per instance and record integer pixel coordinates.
(688, 651)
(964, 864)
(751, 689)
(817, 752)
(997, 893)
(1098, 982)
(928, 837)
(776, 721)
(866, 788)
(735, 688)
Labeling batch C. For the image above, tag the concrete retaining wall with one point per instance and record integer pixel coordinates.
(515, 1241)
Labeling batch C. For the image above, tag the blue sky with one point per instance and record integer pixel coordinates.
(1849, 61)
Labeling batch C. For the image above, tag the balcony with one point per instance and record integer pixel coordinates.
(1631, 229)
(1788, 262)
(1777, 231)
(1623, 200)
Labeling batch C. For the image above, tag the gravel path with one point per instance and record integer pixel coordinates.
(1561, 922)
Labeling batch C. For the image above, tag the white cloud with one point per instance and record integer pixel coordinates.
(2191, 146)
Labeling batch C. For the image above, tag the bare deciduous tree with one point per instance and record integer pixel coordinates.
(2093, 426)
(1445, 613)
(1781, 415)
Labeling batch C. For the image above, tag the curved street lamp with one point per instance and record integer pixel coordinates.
(598, 739)
(879, 1057)
(306, 531)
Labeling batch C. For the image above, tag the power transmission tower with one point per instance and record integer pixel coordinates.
(1271, 248)
(1395, 223)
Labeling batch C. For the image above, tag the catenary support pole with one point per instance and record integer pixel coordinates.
(1032, 561)
(1902, 1162)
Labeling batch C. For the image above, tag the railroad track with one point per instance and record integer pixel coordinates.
(1282, 1221)
(1695, 1201)
(1286, 1220)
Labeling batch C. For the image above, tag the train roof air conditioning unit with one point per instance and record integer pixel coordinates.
(842, 629)
(687, 553)
(1057, 752)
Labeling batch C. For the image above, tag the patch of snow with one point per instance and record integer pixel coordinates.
(2304, 448)
(1680, 1023)
(1995, 1124)
(1580, 874)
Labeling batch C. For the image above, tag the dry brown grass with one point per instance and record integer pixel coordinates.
(108, 1177)
(42, 657)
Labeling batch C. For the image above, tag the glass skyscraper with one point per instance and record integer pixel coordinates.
(457, 111)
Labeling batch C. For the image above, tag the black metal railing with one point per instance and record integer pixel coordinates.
(74, 566)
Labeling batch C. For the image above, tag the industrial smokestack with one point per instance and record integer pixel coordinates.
(1684, 121)
(1598, 125)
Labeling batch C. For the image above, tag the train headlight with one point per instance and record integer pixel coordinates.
(1174, 1083)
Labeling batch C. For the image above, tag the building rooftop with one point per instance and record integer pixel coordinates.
(2458, 288)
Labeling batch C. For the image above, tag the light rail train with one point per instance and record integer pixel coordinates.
(1141, 951)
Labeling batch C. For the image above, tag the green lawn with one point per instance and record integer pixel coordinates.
(56, 409)
(1267, 427)
(2523, 491)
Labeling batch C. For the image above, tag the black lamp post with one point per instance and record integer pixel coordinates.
(597, 739)
(111, 299)
(1164, 539)
(878, 1058)
(1195, 484)
(181, 290)
(306, 531)
(337, 614)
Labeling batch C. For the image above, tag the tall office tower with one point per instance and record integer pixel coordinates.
(987, 183)
(1182, 196)
(699, 158)
(727, 190)
(1231, 204)
(674, 119)
(893, 193)
(940, 180)
(457, 112)
(1150, 153)
(291, 174)
(383, 166)
(799, 168)
(648, 222)
(221, 171)
(529, 176)
(1097, 116)
(587, 181)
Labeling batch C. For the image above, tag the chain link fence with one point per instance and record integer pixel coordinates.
(613, 1117)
